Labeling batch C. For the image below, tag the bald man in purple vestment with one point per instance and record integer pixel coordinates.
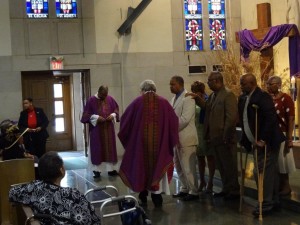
(148, 132)
(101, 112)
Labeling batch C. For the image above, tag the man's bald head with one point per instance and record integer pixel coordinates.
(102, 92)
(248, 83)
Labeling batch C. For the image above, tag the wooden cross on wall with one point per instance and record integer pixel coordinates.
(264, 24)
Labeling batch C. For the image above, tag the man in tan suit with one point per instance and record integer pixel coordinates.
(185, 153)
(220, 133)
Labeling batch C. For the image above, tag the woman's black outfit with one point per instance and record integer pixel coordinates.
(35, 142)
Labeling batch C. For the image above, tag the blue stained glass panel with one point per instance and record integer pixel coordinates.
(217, 24)
(216, 9)
(217, 34)
(66, 9)
(37, 9)
(193, 34)
(193, 25)
(192, 9)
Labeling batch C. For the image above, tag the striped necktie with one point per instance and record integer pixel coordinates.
(246, 122)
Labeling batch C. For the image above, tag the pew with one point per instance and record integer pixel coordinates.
(13, 172)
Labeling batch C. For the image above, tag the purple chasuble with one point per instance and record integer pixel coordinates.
(275, 34)
(148, 132)
(102, 136)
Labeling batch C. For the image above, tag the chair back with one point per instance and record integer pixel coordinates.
(30, 218)
(13, 172)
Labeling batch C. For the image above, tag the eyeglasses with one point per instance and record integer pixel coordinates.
(210, 80)
(270, 84)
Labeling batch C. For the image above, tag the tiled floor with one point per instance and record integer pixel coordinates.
(206, 210)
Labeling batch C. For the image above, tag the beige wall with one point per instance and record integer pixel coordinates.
(5, 40)
(155, 49)
(151, 32)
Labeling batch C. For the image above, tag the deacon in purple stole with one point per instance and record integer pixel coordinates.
(148, 132)
(101, 112)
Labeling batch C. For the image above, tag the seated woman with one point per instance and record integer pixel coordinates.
(65, 205)
(11, 141)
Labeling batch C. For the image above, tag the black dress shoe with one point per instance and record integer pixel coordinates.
(112, 173)
(190, 198)
(277, 207)
(143, 198)
(96, 174)
(180, 195)
(157, 200)
(220, 194)
(255, 212)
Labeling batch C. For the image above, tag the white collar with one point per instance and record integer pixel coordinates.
(96, 95)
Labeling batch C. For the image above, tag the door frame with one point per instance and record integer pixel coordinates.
(85, 91)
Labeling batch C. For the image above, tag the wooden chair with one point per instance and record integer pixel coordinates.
(24, 213)
(13, 172)
(30, 218)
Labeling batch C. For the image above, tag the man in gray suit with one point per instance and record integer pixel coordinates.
(185, 153)
(220, 133)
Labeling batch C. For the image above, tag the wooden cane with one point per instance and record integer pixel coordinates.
(259, 179)
(242, 183)
(260, 176)
(243, 172)
(261, 184)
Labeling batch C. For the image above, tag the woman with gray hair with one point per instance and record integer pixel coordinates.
(148, 132)
(148, 85)
(285, 110)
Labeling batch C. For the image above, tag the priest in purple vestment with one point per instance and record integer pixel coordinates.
(101, 112)
(148, 132)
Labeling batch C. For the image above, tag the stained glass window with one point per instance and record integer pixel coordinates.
(217, 24)
(66, 8)
(37, 8)
(193, 25)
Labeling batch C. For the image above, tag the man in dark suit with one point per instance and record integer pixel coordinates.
(36, 121)
(252, 101)
(219, 133)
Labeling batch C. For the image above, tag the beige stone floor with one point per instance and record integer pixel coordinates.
(206, 210)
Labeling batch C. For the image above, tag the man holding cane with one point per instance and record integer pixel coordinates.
(261, 130)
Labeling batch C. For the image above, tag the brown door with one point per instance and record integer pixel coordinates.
(52, 93)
